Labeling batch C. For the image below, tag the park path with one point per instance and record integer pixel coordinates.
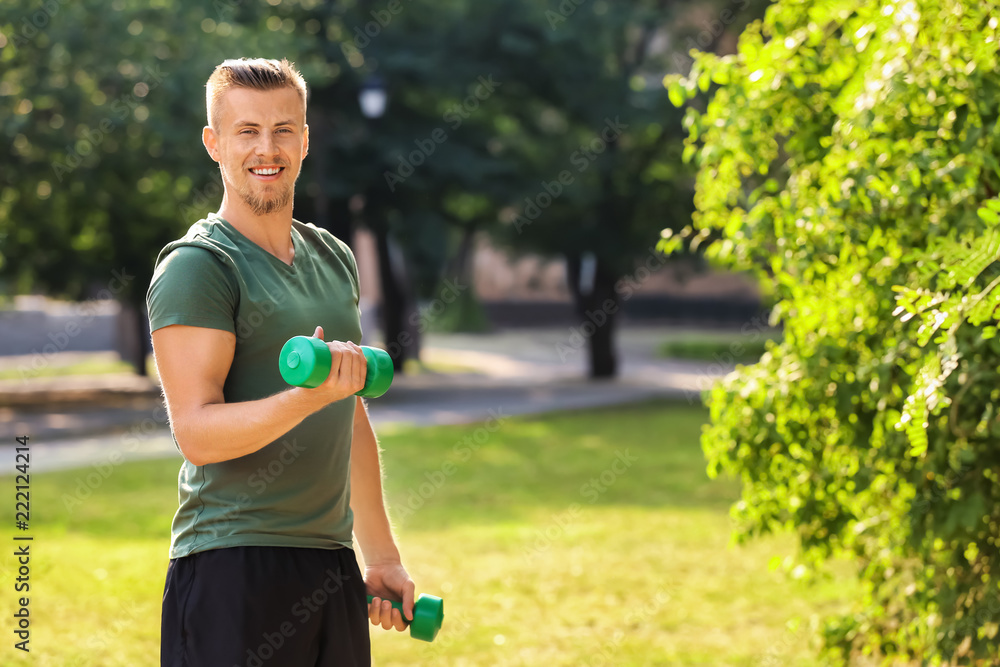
(514, 373)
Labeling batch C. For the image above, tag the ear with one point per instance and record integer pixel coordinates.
(211, 142)
(305, 140)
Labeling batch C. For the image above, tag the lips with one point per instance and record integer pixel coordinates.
(267, 173)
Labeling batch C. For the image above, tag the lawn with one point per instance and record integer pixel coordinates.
(725, 347)
(573, 539)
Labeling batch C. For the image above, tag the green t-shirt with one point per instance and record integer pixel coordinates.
(296, 490)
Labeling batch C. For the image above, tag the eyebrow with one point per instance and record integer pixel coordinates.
(250, 123)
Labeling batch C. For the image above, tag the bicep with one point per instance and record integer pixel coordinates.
(192, 363)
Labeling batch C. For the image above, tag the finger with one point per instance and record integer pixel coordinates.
(397, 620)
(386, 615)
(347, 364)
(361, 368)
(374, 610)
(318, 333)
(336, 361)
(408, 590)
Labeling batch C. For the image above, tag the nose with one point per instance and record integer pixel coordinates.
(266, 146)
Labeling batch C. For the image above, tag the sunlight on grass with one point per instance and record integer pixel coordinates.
(719, 346)
(583, 538)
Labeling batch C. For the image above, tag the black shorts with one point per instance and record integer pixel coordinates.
(265, 607)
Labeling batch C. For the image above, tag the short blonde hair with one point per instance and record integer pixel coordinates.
(255, 73)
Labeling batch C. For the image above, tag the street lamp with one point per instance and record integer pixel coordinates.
(373, 97)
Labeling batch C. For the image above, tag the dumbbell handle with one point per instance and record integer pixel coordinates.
(305, 361)
(428, 616)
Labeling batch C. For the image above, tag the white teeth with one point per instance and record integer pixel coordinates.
(266, 172)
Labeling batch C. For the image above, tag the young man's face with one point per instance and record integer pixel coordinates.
(259, 143)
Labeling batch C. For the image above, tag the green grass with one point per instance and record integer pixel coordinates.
(536, 564)
(718, 346)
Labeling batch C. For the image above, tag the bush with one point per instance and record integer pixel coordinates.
(844, 156)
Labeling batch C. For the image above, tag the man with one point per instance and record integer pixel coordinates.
(274, 480)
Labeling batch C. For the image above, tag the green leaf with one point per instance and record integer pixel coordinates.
(675, 91)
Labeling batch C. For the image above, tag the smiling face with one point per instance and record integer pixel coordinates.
(260, 141)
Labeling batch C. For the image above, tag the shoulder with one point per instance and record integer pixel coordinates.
(325, 242)
(204, 240)
(203, 256)
(319, 236)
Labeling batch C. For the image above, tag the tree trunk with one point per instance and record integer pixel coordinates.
(133, 335)
(596, 305)
(402, 341)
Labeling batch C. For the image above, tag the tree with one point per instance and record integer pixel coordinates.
(844, 155)
(420, 174)
(598, 143)
(106, 165)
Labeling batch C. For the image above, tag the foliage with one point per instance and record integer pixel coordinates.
(104, 135)
(843, 155)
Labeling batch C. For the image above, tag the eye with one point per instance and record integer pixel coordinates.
(246, 131)
(285, 129)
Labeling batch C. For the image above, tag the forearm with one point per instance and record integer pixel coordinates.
(371, 523)
(218, 432)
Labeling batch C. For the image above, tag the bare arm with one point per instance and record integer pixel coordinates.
(385, 576)
(371, 522)
(193, 363)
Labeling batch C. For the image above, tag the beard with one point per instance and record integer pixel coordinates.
(261, 205)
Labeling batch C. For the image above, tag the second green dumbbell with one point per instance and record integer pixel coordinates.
(305, 361)
(428, 616)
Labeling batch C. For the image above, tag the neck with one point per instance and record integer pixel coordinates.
(272, 231)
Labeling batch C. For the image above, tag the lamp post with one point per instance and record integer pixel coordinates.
(372, 97)
(402, 342)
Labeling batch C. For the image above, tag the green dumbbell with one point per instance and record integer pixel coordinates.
(428, 615)
(305, 361)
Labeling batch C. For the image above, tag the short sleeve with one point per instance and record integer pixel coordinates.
(193, 287)
(354, 273)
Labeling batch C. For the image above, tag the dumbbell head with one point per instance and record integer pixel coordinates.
(380, 372)
(428, 616)
(304, 361)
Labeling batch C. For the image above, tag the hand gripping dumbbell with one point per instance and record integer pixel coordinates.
(305, 361)
(428, 615)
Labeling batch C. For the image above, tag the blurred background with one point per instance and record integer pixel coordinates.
(439, 132)
(572, 219)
